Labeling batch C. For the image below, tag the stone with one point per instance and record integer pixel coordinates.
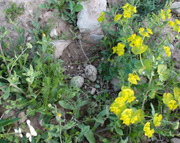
(175, 140)
(175, 7)
(96, 38)
(91, 72)
(175, 55)
(116, 83)
(93, 90)
(60, 45)
(87, 17)
(113, 2)
(53, 33)
(23, 117)
(77, 81)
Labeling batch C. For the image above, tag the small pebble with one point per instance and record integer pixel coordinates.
(93, 90)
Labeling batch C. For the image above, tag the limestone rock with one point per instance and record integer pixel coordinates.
(175, 140)
(96, 38)
(175, 55)
(175, 7)
(60, 45)
(116, 83)
(77, 81)
(23, 117)
(87, 17)
(91, 72)
(112, 2)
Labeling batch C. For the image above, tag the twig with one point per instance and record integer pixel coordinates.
(80, 45)
(5, 60)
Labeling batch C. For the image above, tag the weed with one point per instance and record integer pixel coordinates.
(13, 11)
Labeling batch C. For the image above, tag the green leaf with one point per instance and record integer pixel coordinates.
(42, 6)
(4, 123)
(119, 131)
(139, 50)
(6, 94)
(78, 7)
(153, 111)
(66, 105)
(163, 72)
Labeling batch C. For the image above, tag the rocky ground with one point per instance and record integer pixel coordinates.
(77, 55)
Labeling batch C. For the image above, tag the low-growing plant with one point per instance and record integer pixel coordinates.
(14, 11)
(68, 9)
(149, 97)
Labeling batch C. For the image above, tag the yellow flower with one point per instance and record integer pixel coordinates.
(133, 78)
(171, 23)
(59, 115)
(157, 120)
(127, 93)
(118, 105)
(128, 10)
(141, 30)
(147, 130)
(43, 35)
(149, 31)
(167, 50)
(117, 17)
(162, 14)
(177, 21)
(120, 49)
(101, 17)
(172, 105)
(126, 116)
(114, 49)
(167, 97)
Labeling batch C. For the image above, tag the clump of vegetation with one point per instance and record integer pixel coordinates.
(68, 9)
(13, 11)
(146, 106)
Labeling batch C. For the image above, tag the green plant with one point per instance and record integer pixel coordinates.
(138, 107)
(68, 9)
(13, 11)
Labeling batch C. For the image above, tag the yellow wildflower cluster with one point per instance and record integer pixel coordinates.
(175, 25)
(137, 42)
(170, 100)
(129, 116)
(145, 33)
(128, 10)
(133, 78)
(101, 18)
(126, 95)
(119, 49)
(147, 130)
(117, 17)
(157, 120)
(167, 50)
(165, 14)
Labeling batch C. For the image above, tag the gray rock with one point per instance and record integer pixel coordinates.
(53, 33)
(23, 117)
(91, 72)
(175, 7)
(93, 90)
(116, 83)
(77, 81)
(175, 55)
(96, 38)
(60, 45)
(87, 17)
(175, 140)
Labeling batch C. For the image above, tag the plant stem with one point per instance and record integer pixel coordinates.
(141, 60)
(18, 58)
(146, 93)
(5, 60)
